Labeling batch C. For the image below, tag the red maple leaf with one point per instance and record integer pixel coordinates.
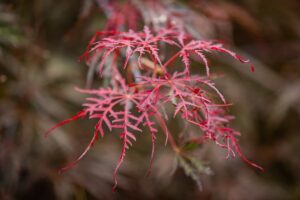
(130, 107)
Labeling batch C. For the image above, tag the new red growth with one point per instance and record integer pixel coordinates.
(144, 78)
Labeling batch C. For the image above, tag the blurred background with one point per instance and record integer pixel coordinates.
(40, 44)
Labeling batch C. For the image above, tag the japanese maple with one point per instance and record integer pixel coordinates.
(145, 77)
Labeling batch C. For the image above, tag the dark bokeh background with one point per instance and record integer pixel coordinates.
(40, 43)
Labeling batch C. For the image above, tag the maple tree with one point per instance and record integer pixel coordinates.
(144, 80)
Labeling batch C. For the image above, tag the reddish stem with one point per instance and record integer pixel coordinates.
(171, 59)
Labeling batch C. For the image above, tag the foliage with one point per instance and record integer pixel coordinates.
(134, 104)
(39, 42)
